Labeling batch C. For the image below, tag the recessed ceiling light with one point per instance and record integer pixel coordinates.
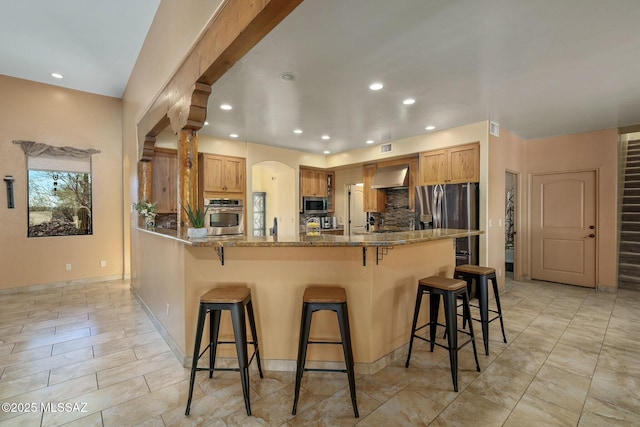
(325, 137)
(369, 141)
(327, 152)
(409, 101)
(288, 76)
(376, 86)
(233, 135)
(430, 127)
(56, 75)
(226, 107)
(297, 131)
(206, 123)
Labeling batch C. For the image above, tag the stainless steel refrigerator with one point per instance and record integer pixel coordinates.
(451, 206)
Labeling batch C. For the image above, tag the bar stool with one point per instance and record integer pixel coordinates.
(450, 289)
(318, 298)
(234, 299)
(482, 275)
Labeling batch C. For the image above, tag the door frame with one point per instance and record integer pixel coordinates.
(596, 188)
(517, 241)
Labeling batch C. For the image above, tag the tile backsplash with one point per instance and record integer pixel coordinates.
(397, 208)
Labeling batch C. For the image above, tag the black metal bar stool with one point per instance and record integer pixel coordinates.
(318, 298)
(450, 289)
(234, 299)
(482, 275)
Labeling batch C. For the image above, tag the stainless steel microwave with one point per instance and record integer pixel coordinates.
(315, 205)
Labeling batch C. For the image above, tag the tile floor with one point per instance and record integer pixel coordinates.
(573, 359)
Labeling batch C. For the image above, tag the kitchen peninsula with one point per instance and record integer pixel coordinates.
(379, 272)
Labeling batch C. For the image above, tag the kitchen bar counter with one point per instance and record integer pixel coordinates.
(373, 239)
(379, 272)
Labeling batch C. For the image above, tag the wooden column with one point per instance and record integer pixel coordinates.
(188, 173)
(145, 170)
(145, 181)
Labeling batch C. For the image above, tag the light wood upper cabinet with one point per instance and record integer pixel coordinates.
(165, 180)
(433, 167)
(374, 199)
(451, 165)
(317, 183)
(313, 182)
(222, 174)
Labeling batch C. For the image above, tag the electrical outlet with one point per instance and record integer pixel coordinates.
(490, 222)
(167, 309)
(103, 263)
(68, 267)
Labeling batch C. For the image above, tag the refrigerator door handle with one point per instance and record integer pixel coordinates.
(437, 211)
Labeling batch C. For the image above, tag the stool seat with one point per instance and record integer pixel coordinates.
(325, 294)
(443, 283)
(332, 298)
(475, 269)
(226, 295)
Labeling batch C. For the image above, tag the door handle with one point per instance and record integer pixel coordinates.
(591, 236)
(592, 227)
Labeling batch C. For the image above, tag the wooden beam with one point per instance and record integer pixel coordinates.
(190, 111)
(239, 26)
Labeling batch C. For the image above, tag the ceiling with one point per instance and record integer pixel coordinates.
(538, 68)
(93, 44)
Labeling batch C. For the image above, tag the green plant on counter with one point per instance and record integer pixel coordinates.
(145, 208)
(197, 216)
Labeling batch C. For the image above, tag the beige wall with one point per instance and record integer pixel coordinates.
(597, 151)
(60, 117)
(506, 153)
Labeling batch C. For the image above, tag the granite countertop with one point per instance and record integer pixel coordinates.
(327, 240)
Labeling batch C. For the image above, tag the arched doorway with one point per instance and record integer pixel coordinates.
(278, 183)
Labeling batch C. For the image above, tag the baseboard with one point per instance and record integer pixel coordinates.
(163, 332)
(76, 282)
(290, 365)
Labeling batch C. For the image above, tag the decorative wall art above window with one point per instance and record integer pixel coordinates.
(59, 190)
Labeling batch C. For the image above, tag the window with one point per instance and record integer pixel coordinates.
(259, 206)
(59, 196)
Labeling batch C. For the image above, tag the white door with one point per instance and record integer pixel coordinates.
(563, 232)
(357, 216)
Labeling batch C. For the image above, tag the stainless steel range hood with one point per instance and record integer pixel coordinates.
(391, 177)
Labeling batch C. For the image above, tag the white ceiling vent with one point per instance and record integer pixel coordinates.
(386, 148)
(494, 129)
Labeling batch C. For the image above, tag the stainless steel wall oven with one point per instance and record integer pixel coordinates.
(224, 216)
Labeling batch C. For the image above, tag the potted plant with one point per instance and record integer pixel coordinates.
(197, 217)
(148, 210)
